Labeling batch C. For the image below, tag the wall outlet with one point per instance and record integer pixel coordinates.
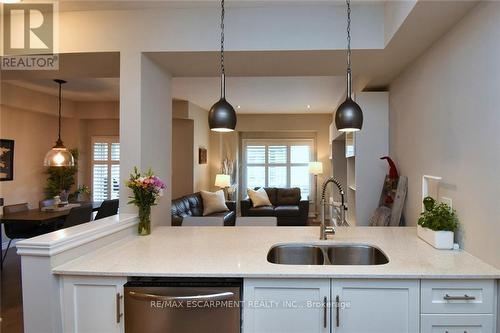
(447, 201)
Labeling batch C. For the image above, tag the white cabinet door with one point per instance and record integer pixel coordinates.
(457, 323)
(92, 305)
(372, 306)
(286, 306)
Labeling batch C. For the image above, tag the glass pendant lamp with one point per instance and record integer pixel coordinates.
(222, 117)
(349, 116)
(59, 155)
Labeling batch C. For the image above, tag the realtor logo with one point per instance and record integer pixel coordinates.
(28, 38)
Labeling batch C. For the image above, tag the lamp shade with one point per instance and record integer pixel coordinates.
(316, 168)
(222, 180)
(222, 117)
(349, 117)
(59, 156)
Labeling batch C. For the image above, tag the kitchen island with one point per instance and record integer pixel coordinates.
(94, 261)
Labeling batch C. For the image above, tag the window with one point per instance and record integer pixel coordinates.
(105, 168)
(277, 163)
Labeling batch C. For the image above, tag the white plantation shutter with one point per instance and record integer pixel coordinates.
(105, 168)
(100, 182)
(256, 154)
(278, 163)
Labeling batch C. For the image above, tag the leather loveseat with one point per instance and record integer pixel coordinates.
(287, 206)
(192, 205)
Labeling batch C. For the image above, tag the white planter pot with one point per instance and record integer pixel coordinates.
(442, 240)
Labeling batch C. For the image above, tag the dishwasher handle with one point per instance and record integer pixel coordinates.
(217, 296)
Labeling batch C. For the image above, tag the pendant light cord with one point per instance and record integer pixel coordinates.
(223, 71)
(349, 78)
(60, 101)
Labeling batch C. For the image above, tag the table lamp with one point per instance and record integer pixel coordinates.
(223, 181)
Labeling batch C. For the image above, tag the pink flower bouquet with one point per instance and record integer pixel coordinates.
(147, 189)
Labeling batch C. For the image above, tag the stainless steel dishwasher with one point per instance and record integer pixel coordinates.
(154, 305)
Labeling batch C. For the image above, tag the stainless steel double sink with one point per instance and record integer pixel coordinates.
(332, 254)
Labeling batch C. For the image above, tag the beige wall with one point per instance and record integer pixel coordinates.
(445, 121)
(34, 134)
(182, 157)
(201, 139)
(192, 133)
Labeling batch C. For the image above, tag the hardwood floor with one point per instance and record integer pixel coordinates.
(11, 294)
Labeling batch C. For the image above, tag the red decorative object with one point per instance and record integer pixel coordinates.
(393, 171)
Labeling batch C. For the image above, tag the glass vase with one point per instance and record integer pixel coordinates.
(144, 220)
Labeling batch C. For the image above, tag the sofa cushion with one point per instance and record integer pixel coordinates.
(213, 202)
(290, 210)
(288, 196)
(262, 211)
(271, 194)
(258, 197)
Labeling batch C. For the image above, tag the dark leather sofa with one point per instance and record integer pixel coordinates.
(192, 205)
(287, 206)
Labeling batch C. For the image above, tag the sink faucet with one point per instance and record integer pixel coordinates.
(330, 230)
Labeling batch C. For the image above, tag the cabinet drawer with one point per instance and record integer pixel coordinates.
(457, 296)
(456, 323)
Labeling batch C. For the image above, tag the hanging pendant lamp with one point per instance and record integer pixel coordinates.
(59, 155)
(349, 116)
(222, 117)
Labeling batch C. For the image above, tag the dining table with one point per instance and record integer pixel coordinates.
(40, 216)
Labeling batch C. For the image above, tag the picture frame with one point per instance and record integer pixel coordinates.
(6, 160)
(202, 155)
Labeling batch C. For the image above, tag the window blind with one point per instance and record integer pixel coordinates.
(105, 168)
(278, 163)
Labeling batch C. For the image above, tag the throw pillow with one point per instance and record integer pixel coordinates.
(213, 202)
(259, 198)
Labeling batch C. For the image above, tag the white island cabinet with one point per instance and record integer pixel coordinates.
(375, 306)
(324, 305)
(286, 305)
(92, 304)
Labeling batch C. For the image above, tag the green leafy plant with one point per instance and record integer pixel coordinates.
(61, 178)
(438, 217)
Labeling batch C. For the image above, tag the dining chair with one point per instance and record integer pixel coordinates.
(20, 229)
(78, 215)
(108, 208)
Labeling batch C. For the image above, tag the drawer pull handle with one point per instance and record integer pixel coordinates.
(119, 313)
(337, 300)
(325, 306)
(459, 298)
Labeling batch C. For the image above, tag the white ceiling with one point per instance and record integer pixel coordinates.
(265, 94)
(252, 94)
(270, 81)
(90, 5)
(76, 89)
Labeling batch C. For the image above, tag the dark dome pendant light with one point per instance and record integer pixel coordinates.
(222, 117)
(349, 116)
(59, 155)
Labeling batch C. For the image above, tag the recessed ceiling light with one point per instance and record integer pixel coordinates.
(308, 106)
(238, 106)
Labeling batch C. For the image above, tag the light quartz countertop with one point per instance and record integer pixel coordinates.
(242, 252)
